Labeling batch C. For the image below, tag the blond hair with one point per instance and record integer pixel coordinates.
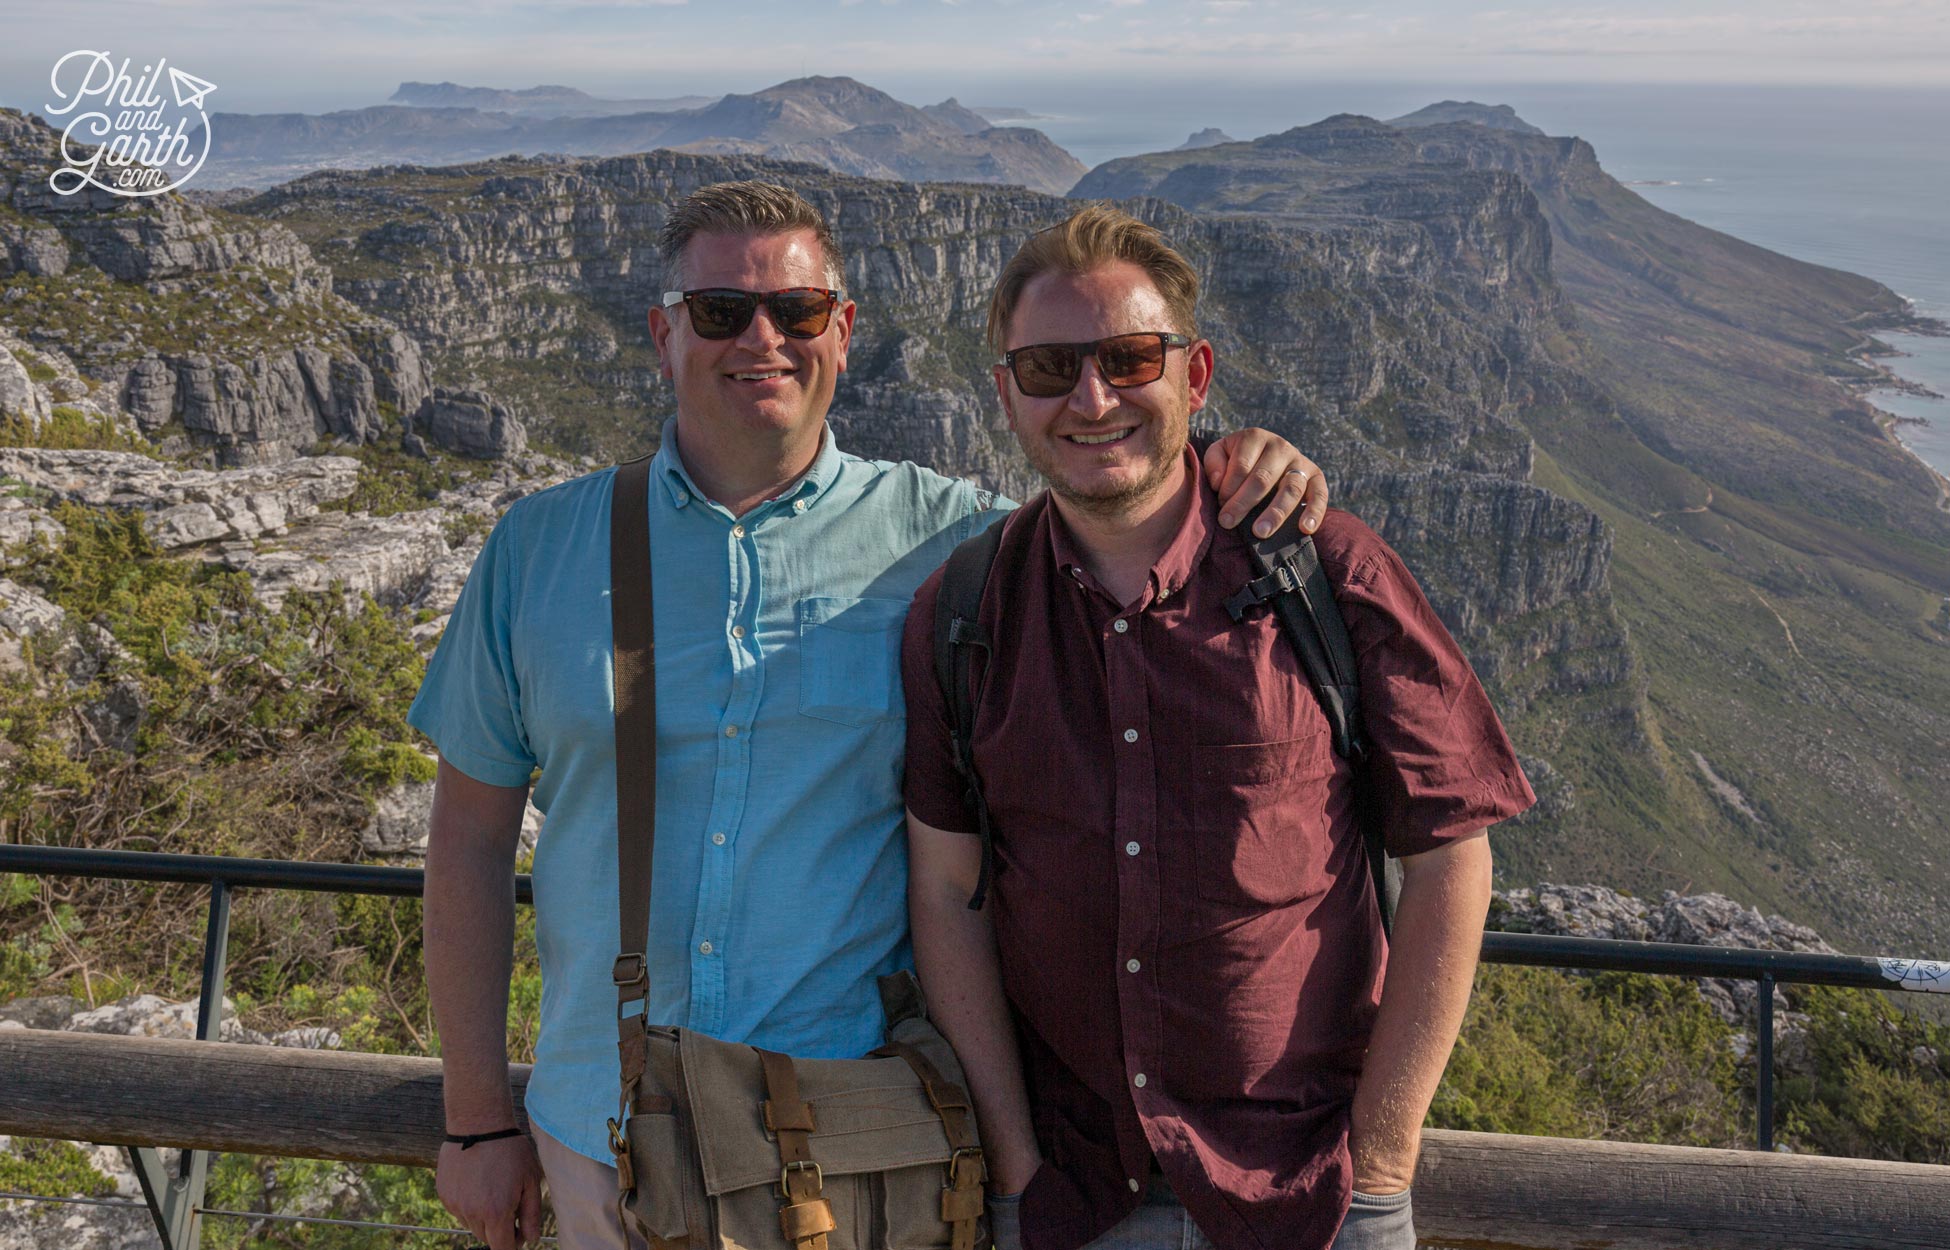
(749, 207)
(1088, 239)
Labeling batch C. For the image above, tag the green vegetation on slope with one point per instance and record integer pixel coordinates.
(71, 429)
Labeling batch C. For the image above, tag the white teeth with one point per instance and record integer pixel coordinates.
(759, 377)
(1092, 440)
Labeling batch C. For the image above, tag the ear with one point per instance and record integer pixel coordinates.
(1198, 372)
(844, 316)
(1002, 392)
(660, 328)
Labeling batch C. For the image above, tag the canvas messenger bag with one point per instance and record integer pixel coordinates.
(722, 1145)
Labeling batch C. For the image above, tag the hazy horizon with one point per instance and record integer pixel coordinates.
(307, 56)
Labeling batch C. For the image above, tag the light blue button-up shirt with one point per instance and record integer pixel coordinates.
(780, 879)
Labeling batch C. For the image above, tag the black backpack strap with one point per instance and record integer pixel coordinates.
(958, 633)
(1292, 581)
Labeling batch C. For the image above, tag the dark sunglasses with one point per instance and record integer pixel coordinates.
(1047, 370)
(800, 312)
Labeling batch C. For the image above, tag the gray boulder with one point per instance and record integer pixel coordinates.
(188, 506)
(18, 394)
(470, 423)
(386, 557)
(1596, 911)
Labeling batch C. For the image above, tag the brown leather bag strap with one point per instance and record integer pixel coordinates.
(961, 1197)
(633, 630)
(949, 1099)
(807, 1216)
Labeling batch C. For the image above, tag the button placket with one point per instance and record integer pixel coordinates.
(1134, 829)
(709, 965)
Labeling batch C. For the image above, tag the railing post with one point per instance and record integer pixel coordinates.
(176, 1203)
(1764, 1058)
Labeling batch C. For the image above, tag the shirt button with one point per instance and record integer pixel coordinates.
(683, 497)
(1121, 625)
(704, 948)
(731, 731)
(798, 505)
(1130, 735)
(1133, 1182)
(717, 839)
(737, 631)
(1130, 966)
(1137, 1080)
(737, 531)
(1130, 848)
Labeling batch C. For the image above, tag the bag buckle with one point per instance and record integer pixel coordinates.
(972, 1154)
(800, 1165)
(630, 970)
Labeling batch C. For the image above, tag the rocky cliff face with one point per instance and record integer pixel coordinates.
(214, 334)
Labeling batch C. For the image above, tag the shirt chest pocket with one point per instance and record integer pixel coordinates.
(849, 658)
(1258, 810)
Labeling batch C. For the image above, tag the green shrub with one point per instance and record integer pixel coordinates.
(51, 1169)
(388, 1192)
(71, 429)
(1619, 1055)
(1881, 1083)
(391, 480)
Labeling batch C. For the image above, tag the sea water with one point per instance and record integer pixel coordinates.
(1850, 178)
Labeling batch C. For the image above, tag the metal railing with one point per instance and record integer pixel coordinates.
(175, 1202)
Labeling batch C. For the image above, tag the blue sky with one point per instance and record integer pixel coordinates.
(272, 55)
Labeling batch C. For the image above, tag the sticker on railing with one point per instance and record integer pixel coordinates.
(1929, 975)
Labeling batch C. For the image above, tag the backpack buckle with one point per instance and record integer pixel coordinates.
(1279, 581)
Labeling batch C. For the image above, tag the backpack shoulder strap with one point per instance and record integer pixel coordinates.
(958, 633)
(1292, 580)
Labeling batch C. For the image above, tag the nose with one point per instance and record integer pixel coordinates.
(1092, 397)
(763, 334)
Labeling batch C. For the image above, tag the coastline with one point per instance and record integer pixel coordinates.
(1885, 385)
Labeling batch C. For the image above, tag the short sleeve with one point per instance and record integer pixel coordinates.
(934, 790)
(1441, 766)
(470, 701)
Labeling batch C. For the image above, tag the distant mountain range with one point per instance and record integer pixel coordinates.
(837, 123)
(546, 101)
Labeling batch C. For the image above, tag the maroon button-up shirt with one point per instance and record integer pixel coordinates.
(1182, 903)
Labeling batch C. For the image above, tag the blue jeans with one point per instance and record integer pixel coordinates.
(1374, 1222)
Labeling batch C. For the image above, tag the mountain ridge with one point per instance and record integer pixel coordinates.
(840, 123)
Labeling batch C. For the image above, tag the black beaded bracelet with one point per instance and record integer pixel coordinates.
(467, 1140)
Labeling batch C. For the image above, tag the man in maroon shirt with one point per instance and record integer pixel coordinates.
(1203, 1047)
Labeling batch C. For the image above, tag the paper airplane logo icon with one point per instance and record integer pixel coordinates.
(189, 89)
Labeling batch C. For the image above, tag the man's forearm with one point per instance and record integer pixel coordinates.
(1431, 966)
(954, 950)
(470, 925)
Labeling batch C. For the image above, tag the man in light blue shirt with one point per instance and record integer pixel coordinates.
(782, 569)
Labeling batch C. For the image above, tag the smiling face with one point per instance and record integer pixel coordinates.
(1104, 449)
(758, 392)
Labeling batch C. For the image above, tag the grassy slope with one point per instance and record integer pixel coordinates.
(1834, 740)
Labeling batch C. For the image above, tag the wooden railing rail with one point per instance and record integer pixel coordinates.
(1474, 1190)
